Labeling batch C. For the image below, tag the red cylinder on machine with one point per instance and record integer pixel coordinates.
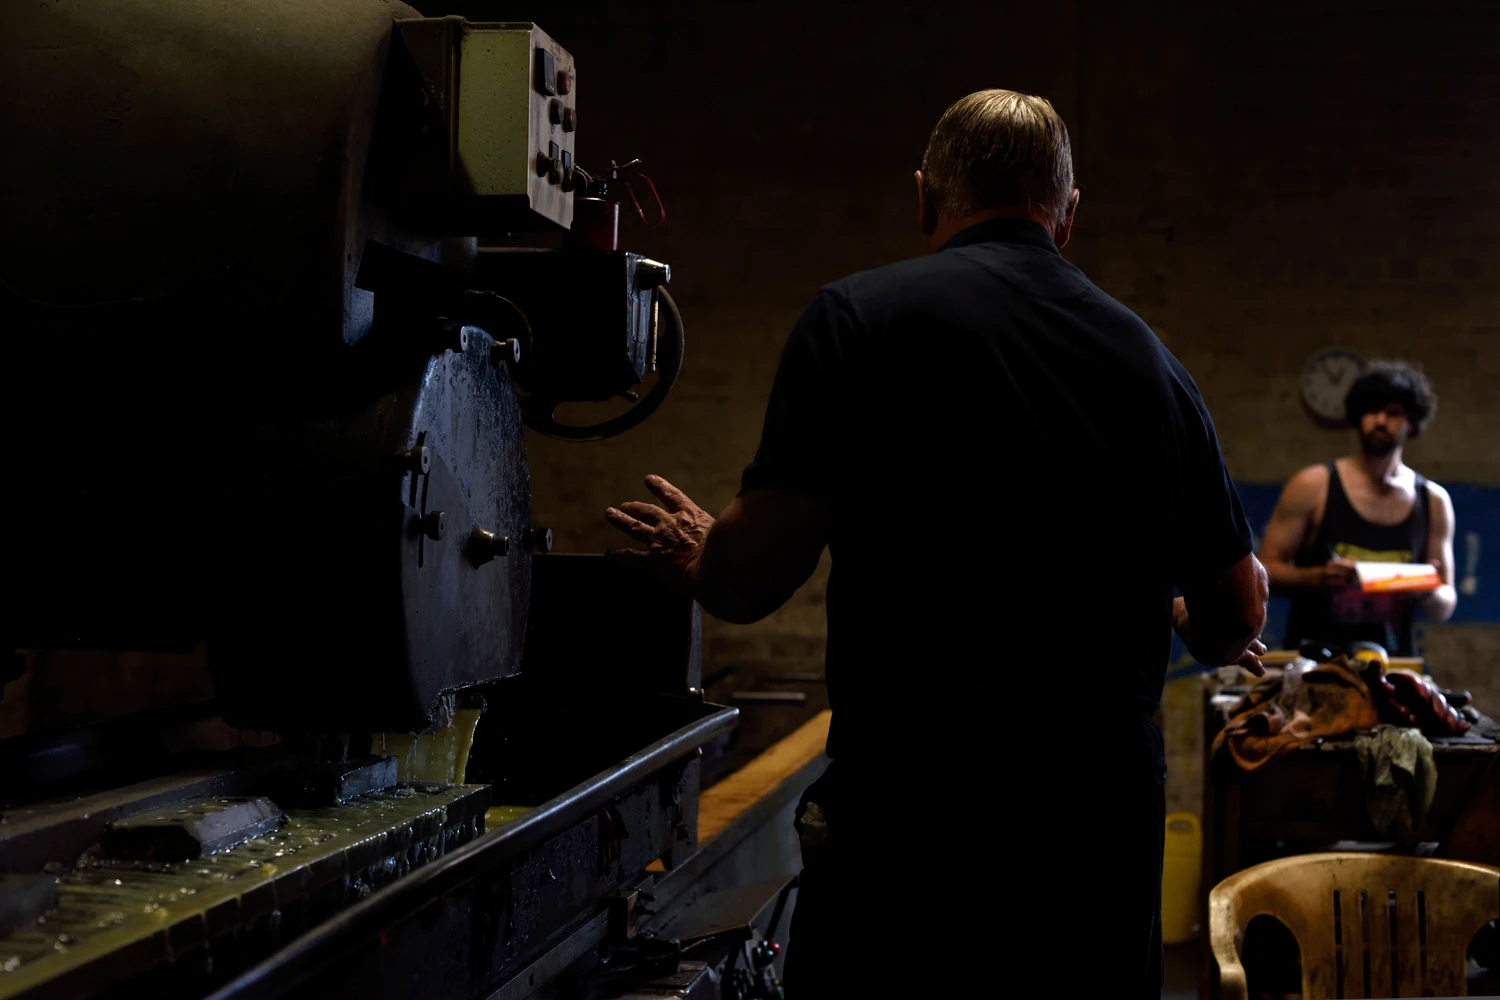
(596, 223)
(596, 205)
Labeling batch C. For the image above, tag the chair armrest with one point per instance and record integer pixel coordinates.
(1221, 934)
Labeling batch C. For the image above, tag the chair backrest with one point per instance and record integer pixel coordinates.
(1368, 925)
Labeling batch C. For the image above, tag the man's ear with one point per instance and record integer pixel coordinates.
(1065, 228)
(926, 209)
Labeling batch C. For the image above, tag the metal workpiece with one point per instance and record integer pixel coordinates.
(24, 899)
(311, 784)
(191, 923)
(192, 829)
(55, 834)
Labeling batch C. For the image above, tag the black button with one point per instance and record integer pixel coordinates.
(555, 111)
(543, 164)
(569, 119)
(546, 72)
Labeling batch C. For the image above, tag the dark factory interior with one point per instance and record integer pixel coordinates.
(609, 501)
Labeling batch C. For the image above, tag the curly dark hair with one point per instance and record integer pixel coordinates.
(1385, 382)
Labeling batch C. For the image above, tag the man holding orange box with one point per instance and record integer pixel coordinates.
(1365, 510)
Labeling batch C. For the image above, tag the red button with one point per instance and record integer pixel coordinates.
(564, 82)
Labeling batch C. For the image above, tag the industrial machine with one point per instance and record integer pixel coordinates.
(277, 312)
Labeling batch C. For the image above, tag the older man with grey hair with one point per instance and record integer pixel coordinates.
(1012, 475)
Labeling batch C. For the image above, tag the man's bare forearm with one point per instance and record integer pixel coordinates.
(761, 549)
(730, 585)
(1285, 576)
(1223, 620)
(1439, 604)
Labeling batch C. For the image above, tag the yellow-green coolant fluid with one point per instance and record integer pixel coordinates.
(442, 757)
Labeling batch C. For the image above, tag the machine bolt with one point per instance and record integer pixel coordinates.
(508, 351)
(417, 459)
(538, 539)
(486, 545)
(451, 336)
(431, 525)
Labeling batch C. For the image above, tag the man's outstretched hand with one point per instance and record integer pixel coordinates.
(673, 535)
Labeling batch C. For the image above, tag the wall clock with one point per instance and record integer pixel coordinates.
(1326, 379)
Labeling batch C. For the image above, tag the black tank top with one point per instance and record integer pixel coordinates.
(1336, 619)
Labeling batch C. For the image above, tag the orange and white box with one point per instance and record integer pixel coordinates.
(1380, 577)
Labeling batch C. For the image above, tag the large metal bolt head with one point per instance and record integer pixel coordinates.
(418, 459)
(486, 545)
(507, 351)
(432, 525)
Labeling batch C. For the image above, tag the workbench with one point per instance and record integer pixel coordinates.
(1314, 796)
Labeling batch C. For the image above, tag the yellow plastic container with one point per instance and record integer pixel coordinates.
(1181, 874)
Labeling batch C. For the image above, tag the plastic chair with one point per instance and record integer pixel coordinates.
(1368, 925)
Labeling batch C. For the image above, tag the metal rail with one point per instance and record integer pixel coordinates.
(287, 968)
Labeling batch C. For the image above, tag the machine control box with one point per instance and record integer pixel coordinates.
(508, 97)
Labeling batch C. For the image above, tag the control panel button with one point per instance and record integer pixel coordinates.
(546, 72)
(555, 111)
(543, 164)
(569, 119)
(564, 82)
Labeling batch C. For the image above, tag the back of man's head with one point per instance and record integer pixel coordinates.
(998, 148)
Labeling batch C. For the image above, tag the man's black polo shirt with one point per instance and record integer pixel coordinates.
(1018, 473)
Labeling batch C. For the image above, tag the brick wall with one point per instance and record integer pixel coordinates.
(782, 137)
(1258, 183)
(1261, 186)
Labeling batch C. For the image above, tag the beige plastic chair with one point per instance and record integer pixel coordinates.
(1368, 925)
